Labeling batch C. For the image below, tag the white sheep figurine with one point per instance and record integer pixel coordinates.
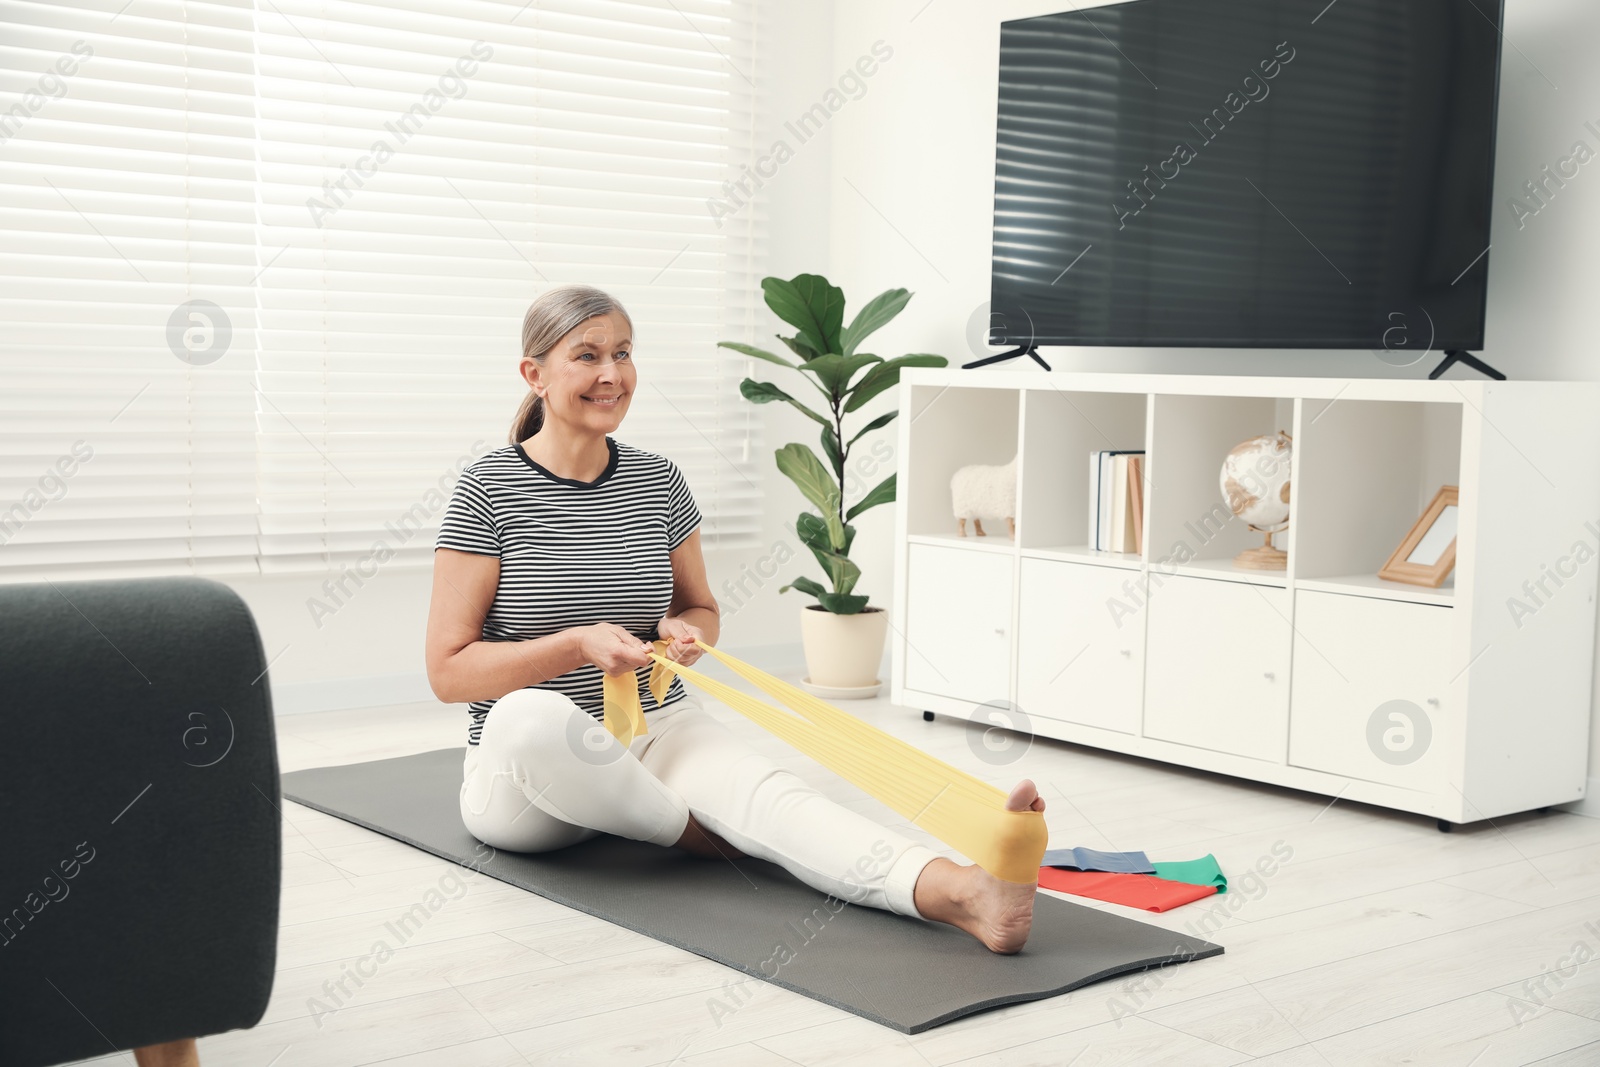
(980, 489)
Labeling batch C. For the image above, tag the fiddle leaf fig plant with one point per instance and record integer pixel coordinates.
(828, 361)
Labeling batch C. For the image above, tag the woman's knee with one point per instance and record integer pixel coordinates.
(497, 810)
(544, 724)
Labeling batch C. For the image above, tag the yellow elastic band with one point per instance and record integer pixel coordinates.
(963, 811)
(624, 716)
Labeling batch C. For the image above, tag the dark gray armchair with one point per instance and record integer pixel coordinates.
(140, 822)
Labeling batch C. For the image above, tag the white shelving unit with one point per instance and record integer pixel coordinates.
(1449, 702)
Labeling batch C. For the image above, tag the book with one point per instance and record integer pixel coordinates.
(1118, 539)
(1092, 539)
(1136, 500)
(1107, 492)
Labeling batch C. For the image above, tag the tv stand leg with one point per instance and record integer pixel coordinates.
(1452, 356)
(1001, 357)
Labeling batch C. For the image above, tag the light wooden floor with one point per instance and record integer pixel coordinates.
(1380, 941)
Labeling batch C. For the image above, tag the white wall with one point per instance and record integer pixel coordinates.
(913, 188)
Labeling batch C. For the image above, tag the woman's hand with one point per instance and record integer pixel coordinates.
(683, 636)
(613, 649)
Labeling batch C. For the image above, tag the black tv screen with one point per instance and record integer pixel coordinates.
(1246, 173)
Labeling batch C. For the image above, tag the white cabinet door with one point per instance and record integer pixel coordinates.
(1369, 692)
(1218, 666)
(958, 622)
(1075, 662)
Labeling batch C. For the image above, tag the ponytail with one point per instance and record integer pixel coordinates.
(529, 417)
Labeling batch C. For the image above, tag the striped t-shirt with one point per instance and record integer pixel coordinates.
(574, 554)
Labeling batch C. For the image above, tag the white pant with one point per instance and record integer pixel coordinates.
(546, 774)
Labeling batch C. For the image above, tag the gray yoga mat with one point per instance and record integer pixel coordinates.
(908, 974)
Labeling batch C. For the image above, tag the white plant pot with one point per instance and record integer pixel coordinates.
(843, 652)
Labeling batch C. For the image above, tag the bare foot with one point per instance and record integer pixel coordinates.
(996, 912)
(699, 841)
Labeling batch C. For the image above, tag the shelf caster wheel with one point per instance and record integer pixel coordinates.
(1446, 827)
(927, 716)
(1544, 810)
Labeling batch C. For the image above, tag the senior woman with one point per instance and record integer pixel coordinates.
(560, 558)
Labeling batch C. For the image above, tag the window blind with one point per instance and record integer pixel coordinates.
(126, 188)
(370, 194)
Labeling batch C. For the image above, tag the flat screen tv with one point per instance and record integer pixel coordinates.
(1246, 173)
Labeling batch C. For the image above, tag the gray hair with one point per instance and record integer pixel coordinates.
(552, 315)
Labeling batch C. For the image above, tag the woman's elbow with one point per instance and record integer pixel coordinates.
(445, 680)
(441, 689)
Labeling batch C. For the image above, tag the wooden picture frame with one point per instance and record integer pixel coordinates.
(1425, 557)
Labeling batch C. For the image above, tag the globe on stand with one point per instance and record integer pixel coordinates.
(1255, 486)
